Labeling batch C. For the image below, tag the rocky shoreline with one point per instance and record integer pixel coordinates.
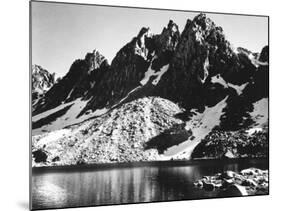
(251, 181)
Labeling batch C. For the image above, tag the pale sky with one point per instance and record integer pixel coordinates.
(62, 33)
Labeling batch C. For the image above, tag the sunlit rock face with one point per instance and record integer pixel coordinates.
(122, 135)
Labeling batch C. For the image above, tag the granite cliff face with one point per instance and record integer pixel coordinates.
(161, 98)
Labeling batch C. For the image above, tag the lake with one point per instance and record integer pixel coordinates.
(128, 183)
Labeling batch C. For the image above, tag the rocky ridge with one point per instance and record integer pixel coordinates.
(196, 71)
(82, 77)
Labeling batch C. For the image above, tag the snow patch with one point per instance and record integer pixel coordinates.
(251, 131)
(256, 62)
(218, 79)
(69, 118)
(150, 72)
(260, 112)
(235, 50)
(201, 124)
(238, 89)
(49, 112)
(159, 74)
(53, 136)
(205, 69)
(127, 96)
(68, 96)
(100, 112)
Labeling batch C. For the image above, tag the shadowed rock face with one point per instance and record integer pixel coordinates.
(130, 64)
(264, 55)
(202, 53)
(219, 144)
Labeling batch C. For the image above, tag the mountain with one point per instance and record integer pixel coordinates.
(62, 104)
(164, 96)
(42, 81)
(87, 91)
(82, 76)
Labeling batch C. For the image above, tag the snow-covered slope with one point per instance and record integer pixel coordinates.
(54, 119)
(200, 124)
(119, 135)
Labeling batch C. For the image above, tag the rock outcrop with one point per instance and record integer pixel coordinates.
(250, 181)
(229, 144)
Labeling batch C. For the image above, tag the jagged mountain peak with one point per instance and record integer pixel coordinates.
(168, 39)
(42, 81)
(203, 21)
(201, 53)
(264, 55)
(144, 32)
(171, 27)
(95, 59)
(79, 80)
(37, 69)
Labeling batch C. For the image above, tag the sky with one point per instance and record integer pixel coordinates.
(62, 33)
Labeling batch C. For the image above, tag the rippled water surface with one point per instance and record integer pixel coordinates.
(157, 181)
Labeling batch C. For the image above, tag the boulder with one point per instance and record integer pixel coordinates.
(234, 190)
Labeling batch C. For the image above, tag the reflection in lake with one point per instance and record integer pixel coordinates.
(114, 185)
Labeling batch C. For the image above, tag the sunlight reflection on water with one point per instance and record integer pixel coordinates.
(72, 188)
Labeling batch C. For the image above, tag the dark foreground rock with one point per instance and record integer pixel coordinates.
(232, 144)
(250, 181)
